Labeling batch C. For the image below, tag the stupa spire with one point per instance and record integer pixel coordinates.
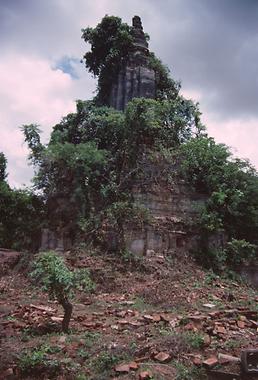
(135, 78)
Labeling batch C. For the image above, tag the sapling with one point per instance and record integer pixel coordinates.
(55, 278)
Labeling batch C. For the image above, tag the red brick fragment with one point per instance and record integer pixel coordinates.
(162, 357)
(122, 368)
(145, 375)
(210, 362)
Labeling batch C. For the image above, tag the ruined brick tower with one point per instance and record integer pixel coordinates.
(135, 79)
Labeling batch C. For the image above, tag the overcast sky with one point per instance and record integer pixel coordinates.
(210, 45)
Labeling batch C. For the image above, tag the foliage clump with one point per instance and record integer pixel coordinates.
(3, 163)
(55, 278)
(111, 41)
(38, 362)
(21, 214)
(231, 208)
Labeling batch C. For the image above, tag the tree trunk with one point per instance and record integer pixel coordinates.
(68, 309)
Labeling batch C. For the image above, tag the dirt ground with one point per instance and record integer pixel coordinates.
(161, 317)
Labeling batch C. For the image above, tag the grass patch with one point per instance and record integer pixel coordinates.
(178, 343)
(189, 372)
(90, 338)
(141, 305)
(37, 361)
(105, 362)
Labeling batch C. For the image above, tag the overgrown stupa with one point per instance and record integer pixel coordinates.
(135, 78)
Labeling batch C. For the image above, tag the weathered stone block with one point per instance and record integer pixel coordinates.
(135, 79)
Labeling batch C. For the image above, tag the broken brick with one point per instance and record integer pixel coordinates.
(241, 324)
(144, 375)
(148, 318)
(206, 340)
(224, 358)
(133, 366)
(197, 360)
(210, 362)
(122, 368)
(220, 330)
(162, 357)
(165, 317)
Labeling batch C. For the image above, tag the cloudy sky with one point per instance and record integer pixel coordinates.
(210, 45)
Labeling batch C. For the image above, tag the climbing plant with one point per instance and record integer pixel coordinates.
(111, 41)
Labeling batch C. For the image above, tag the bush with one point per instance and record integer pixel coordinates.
(21, 215)
(231, 207)
(212, 258)
(59, 282)
(37, 361)
(240, 252)
(235, 253)
(105, 361)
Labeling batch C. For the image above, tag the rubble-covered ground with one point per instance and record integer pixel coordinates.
(159, 317)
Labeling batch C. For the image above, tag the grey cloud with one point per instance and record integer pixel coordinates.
(212, 46)
(49, 28)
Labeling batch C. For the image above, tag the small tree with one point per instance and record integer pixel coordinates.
(51, 272)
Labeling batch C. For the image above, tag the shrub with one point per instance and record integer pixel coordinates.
(105, 361)
(37, 361)
(230, 186)
(236, 252)
(60, 282)
(212, 258)
(240, 251)
(21, 214)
